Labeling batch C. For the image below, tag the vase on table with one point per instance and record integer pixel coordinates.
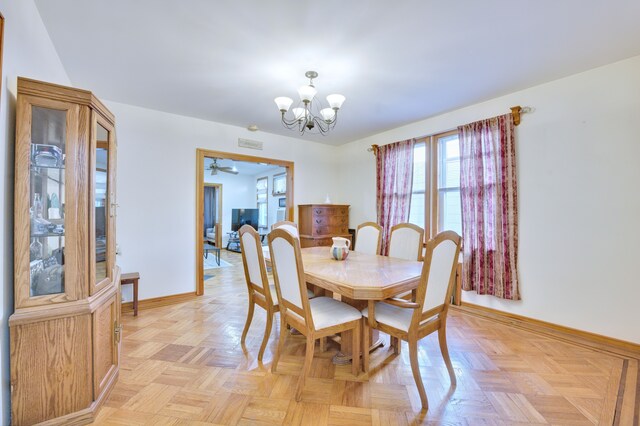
(340, 248)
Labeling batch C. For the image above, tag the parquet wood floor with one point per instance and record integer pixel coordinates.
(184, 365)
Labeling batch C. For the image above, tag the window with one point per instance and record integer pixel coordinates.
(417, 209)
(435, 195)
(449, 208)
(280, 184)
(261, 198)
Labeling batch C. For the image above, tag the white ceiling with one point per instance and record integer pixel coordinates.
(244, 167)
(396, 62)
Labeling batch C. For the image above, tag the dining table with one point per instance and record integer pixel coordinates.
(358, 280)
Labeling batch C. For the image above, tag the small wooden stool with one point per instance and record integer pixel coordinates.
(132, 278)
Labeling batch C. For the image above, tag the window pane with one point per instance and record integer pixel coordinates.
(449, 162)
(416, 213)
(262, 215)
(449, 211)
(419, 167)
(261, 185)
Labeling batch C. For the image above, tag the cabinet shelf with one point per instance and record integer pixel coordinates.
(47, 235)
(33, 167)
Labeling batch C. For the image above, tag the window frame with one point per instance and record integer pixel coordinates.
(431, 191)
(265, 202)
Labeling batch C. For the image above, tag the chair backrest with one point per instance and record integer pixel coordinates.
(438, 273)
(255, 270)
(368, 238)
(290, 227)
(405, 241)
(288, 275)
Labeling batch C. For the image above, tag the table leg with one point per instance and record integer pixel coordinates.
(135, 298)
(218, 257)
(345, 353)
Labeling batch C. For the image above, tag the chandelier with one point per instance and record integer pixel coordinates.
(308, 115)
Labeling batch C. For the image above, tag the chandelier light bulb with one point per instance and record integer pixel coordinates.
(307, 93)
(328, 114)
(283, 103)
(335, 101)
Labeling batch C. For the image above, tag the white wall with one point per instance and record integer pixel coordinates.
(579, 205)
(272, 200)
(28, 52)
(238, 192)
(156, 187)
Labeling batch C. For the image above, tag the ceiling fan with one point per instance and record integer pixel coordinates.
(214, 167)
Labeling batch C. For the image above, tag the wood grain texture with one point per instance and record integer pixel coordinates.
(63, 93)
(22, 225)
(105, 356)
(50, 362)
(504, 373)
(320, 222)
(156, 302)
(96, 285)
(578, 337)
(361, 276)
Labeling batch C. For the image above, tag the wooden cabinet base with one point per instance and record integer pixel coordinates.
(88, 415)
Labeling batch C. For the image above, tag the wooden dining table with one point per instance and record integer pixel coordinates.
(358, 279)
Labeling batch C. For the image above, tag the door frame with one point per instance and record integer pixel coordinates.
(201, 154)
(218, 210)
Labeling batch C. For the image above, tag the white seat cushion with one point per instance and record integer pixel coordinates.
(327, 312)
(390, 315)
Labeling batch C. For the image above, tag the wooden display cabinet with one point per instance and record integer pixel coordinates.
(319, 223)
(65, 331)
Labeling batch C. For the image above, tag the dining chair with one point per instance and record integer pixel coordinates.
(261, 293)
(292, 227)
(411, 321)
(368, 238)
(314, 318)
(405, 241)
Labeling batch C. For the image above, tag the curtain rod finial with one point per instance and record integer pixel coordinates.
(374, 149)
(515, 111)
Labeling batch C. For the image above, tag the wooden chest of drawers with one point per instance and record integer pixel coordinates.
(318, 223)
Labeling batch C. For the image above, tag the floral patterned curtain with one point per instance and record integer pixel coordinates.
(488, 191)
(394, 174)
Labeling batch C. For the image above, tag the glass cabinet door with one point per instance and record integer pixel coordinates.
(102, 204)
(47, 201)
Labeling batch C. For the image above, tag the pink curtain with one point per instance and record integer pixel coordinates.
(488, 191)
(394, 175)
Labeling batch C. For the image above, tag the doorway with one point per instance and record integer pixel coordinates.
(267, 188)
(212, 213)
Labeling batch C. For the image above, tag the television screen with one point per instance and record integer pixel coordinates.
(241, 217)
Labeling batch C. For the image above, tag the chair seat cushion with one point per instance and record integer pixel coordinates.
(392, 316)
(327, 312)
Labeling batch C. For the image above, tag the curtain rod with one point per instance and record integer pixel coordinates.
(516, 111)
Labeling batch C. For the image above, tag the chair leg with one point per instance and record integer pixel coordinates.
(355, 349)
(366, 330)
(397, 345)
(415, 369)
(322, 342)
(283, 335)
(249, 318)
(306, 368)
(442, 339)
(267, 333)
